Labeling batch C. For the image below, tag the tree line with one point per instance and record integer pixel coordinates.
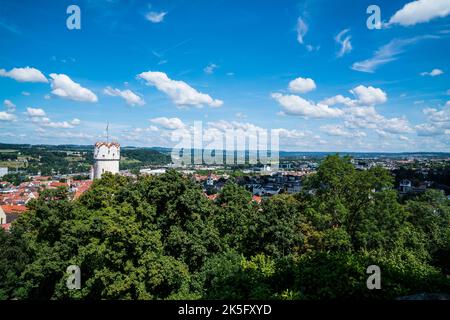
(160, 238)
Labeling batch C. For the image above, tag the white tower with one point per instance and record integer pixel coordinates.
(106, 157)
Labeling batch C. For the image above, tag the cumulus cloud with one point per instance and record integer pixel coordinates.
(339, 130)
(365, 96)
(65, 87)
(26, 74)
(421, 11)
(360, 113)
(343, 39)
(369, 95)
(57, 125)
(75, 122)
(438, 122)
(10, 107)
(180, 92)
(302, 85)
(369, 118)
(295, 105)
(129, 96)
(168, 123)
(155, 17)
(5, 116)
(395, 125)
(339, 99)
(35, 112)
(432, 73)
(39, 117)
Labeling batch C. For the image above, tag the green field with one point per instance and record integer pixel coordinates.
(12, 164)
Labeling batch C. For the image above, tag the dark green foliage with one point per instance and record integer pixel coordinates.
(162, 238)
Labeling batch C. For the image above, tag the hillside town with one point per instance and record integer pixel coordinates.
(414, 175)
(14, 199)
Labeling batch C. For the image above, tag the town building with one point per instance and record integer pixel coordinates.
(3, 171)
(106, 158)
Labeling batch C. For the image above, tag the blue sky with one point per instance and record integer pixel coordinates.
(312, 70)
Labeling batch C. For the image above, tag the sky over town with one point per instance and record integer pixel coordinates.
(311, 70)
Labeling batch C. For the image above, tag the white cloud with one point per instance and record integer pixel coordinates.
(129, 96)
(10, 107)
(434, 115)
(169, 123)
(302, 29)
(433, 73)
(338, 130)
(302, 85)
(5, 116)
(365, 96)
(209, 69)
(369, 95)
(26, 74)
(35, 112)
(339, 99)
(75, 122)
(346, 45)
(39, 117)
(57, 125)
(420, 11)
(180, 92)
(396, 125)
(387, 53)
(428, 129)
(46, 122)
(369, 118)
(65, 87)
(296, 105)
(155, 17)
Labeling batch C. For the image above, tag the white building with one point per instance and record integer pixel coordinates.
(153, 172)
(106, 158)
(3, 171)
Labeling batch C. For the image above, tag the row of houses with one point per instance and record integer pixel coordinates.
(259, 185)
(14, 199)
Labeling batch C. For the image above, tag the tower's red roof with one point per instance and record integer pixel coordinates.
(107, 144)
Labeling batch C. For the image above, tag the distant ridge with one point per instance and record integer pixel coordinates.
(316, 154)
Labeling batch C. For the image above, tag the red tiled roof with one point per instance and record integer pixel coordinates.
(257, 198)
(107, 144)
(212, 196)
(14, 209)
(82, 188)
(56, 184)
(40, 178)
